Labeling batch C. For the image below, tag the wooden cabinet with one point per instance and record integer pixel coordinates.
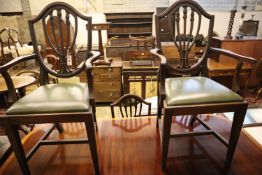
(247, 47)
(123, 25)
(108, 82)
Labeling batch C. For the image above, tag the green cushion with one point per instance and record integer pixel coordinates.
(197, 90)
(53, 98)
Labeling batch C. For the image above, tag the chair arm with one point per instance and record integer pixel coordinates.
(15, 61)
(233, 55)
(157, 52)
(88, 63)
(8, 80)
(161, 72)
(241, 58)
(94, 56)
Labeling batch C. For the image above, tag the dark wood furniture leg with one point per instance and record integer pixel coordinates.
(92, 143)
(167, 119)
(126, 86)
(143, 86)
(16, 145)
(234, 134)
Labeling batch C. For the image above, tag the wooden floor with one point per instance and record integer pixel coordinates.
(132, 147)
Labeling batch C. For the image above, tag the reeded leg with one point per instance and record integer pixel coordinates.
(92, 142)
(167, 118)
(17, 147)
(234, 134)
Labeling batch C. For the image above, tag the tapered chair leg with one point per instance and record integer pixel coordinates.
(167, 121)
(192, 120)
(234, 135)
(17, 147)
(92, 143)
(59, 127)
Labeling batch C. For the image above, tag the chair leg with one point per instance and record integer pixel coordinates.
(92, 142)
(192, 120)
(94, 113)
(159, 110)
(16, 145)
(234, 135)
(165, 137)
(59, 127)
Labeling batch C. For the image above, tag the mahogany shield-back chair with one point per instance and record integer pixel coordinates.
(56, 103)
(184, 88)
(131, 106)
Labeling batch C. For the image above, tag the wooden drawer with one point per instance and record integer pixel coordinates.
(107, 92)
(107, 74)
(102, 86)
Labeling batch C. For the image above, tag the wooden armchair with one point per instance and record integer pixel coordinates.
(184, 89)
(11, 47)
(56, 103)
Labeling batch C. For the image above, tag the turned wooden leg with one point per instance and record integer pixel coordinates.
(234, 134)
(17, 147)
(92, 142)
(167, 121)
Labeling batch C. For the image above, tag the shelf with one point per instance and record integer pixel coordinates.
(131, 23)
(130, 15)
(130, 33)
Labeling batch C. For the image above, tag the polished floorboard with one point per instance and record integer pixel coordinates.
(132, 147)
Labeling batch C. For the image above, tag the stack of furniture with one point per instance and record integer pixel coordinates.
(108, 82)
(122, 25)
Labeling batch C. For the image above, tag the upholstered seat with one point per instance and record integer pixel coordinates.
(53, 98)
(197, 90)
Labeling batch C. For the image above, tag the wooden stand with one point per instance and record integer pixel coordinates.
(99, 27)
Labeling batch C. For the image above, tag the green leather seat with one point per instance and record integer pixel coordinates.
(53, 98)
(197, 90)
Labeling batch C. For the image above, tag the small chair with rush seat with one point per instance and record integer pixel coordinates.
(57, 103)
(184, 89)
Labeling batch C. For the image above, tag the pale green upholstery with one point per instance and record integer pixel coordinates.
(197, 90)
(53, 98)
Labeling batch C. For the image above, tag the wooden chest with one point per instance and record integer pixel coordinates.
(108, 82)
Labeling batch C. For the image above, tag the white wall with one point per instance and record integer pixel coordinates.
(100, 6)
(222, 20)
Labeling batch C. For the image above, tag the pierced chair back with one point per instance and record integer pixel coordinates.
(131, 105)
(60, 27)
(180, 24)
(9, 42)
